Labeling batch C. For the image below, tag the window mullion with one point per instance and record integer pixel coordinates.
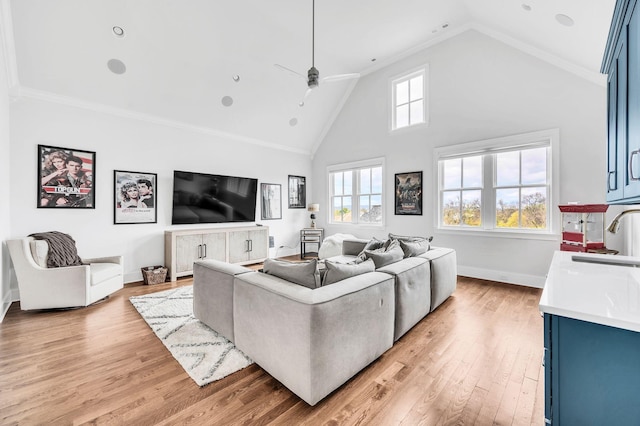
(488, 192)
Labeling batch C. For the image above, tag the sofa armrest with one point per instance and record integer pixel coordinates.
(213, 294)
(313, 340)
(353, 246)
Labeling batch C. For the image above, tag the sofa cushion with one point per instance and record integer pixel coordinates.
(39, 252)
(302, 273)
(339, 271)
(414, 248)
(392, 254)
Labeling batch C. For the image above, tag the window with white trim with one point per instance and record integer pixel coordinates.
(499, 185)
(356, 192)
(408, 99)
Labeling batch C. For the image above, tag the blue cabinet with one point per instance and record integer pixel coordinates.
(621, 63)
(592, 373)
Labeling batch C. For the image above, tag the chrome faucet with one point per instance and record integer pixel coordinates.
(615, 223)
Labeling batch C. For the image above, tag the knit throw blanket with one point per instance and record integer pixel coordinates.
(62, 249)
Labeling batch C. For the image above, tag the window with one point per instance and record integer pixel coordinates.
(499, 185)
(408, 99)
(356, 187)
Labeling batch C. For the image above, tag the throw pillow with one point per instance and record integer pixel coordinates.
(408, 238)
(372, 244)
(392, 254)
(340, 271)
(414, 248)
(302, 273)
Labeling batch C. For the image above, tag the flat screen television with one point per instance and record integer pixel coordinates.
(206, 198)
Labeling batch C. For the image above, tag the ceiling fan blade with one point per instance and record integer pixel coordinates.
(304, 98)
(290, 71)
(340, 77)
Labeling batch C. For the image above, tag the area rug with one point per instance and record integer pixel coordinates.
(204, 354)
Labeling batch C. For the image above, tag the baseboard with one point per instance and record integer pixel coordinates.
(502, 276)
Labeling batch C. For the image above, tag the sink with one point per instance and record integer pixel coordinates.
(612, 260)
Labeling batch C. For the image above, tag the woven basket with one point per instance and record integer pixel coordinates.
(154, 274)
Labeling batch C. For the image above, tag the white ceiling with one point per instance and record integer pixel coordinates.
(181, 55)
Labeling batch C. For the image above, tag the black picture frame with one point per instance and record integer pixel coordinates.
(66, 178)
(297, 192)
(271, 201)
(408, 193)
(141, 208)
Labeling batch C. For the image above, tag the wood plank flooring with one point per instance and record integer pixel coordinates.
(475, 360)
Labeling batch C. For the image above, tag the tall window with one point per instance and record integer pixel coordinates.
(356, 192)
(502, 185)
(408, 94)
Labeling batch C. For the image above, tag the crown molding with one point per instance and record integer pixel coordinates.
(582, 72)
(585, 73)
(27, 92)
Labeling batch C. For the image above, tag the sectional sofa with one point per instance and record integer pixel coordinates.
(313, 337)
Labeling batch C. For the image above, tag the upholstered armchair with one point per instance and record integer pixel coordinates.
(65, 287)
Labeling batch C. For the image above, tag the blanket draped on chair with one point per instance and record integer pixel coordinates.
(62, 249)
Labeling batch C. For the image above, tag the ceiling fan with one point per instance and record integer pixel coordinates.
(313, 75)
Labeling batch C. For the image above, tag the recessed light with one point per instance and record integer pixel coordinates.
(227, 101)
(301, 104)
(564, 20)
(526, 7)
(118, 31)
(445, 25)
(116, 66)
(236, 78)
(373, 59)
(293, 122)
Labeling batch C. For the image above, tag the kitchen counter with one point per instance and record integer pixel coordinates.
(596, 292)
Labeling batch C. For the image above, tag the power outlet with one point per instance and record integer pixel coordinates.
(272, 242)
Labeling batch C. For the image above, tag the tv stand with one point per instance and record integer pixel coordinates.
(242, 245)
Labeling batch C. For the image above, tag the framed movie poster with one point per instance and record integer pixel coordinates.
(409, 193)
(135, 197)
(297, 192)
(271, 195)
(66, 178)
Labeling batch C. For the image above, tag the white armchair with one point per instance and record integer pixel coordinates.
(71, 286)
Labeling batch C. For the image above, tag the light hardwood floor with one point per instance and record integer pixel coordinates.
(475, 360)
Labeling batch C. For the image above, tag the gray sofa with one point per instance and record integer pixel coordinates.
(314, 339)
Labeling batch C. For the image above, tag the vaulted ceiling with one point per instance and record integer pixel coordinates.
(177, 61)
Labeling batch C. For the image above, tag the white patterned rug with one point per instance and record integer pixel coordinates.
(204, 354)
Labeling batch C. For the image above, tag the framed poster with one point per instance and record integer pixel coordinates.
(271, 196)
(297, 192)
(66, 178)
(408, 193)
(135, 197)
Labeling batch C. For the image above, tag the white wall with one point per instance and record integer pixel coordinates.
(128, 144)
(479, 88)
(5, 165)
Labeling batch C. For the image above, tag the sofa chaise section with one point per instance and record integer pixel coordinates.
(313, 340)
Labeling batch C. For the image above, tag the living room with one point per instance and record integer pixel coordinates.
(481, 85)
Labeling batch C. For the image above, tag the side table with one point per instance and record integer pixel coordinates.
(313, 236)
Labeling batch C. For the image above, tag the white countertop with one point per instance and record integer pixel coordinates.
(598, 293)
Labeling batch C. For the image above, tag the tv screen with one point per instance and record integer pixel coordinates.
(205, 198)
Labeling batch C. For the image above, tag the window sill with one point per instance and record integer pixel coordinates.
(546, 236)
